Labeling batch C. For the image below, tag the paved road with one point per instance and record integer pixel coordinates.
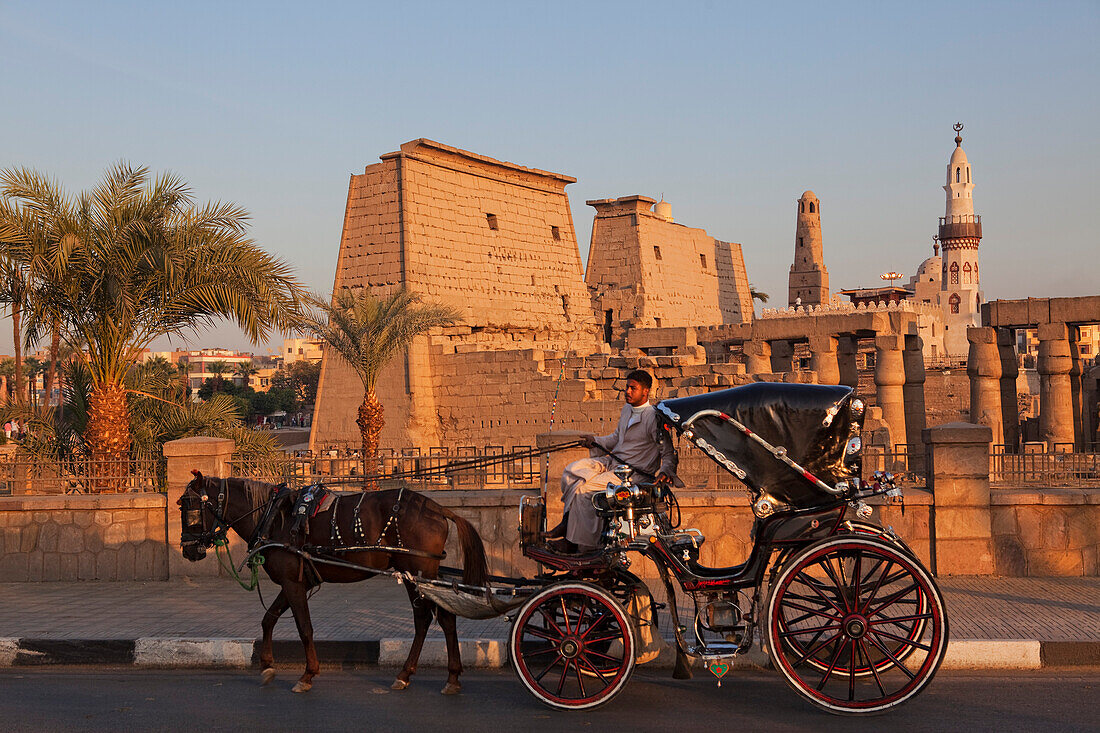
(62, 699)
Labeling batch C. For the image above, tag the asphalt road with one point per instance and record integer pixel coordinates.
(105, 699)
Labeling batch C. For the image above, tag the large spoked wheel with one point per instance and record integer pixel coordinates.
(855, 625)
(573, 646)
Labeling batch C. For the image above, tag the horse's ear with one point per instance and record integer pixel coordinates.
(196, 472)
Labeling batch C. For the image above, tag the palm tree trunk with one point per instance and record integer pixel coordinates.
(108, 435)
(17, 328)
(370, 421)
(55, 349)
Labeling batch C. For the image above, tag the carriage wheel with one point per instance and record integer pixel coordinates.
(573, 646)
(856, 626)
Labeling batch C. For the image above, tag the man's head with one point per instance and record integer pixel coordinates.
(638, 385)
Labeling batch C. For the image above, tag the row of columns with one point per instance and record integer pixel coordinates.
(993, 368)
(899, 374)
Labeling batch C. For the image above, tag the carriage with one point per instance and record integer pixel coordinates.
(849, 616)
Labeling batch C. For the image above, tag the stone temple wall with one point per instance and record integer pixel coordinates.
(651, 272)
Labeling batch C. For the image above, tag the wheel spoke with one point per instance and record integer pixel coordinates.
(564, 674)
(603, 617)
(540, 652)
(856, 580)
(602, 675)
(892, 599)
(816, 649)
(602, 638)
(874, 669)
(818, 629)
(852, 670)
(564, 616)
(608, 657)
(541, 634)
(832, 664)
(838, 582)
(813, 611)
(552, 623)
(878, 585)
(540, 675)
(825, 598)
(897, 619)
(903, 640)
(580, 682)
(897, 662)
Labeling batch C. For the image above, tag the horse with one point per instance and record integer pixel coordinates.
(396, 529)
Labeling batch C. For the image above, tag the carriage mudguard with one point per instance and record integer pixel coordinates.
(813, 422)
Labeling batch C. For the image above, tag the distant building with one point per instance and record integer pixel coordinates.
(301, 350)
(808, 282)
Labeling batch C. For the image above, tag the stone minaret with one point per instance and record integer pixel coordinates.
(960, 233)
(808, 283)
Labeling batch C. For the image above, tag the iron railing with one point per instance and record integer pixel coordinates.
(1058, 468)
(24, 475)
(465, 467)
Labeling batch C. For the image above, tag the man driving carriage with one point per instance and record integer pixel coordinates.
(638, 441)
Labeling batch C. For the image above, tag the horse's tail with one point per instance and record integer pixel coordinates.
(475, 569)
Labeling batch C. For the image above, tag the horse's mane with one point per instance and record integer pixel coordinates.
(256, 492)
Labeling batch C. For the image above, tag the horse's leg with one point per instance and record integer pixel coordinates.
(422, 619)
(267, 658)
(454, 656)
(296, 596)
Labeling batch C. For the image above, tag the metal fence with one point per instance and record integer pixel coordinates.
(25, 475)
(437, 468)
(1058, 468)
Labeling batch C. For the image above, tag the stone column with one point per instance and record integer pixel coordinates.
(1010, 371)
(983, 366)
(553, 464)
(211, 457)
(1055, 393)
(1075, 372)
(782, 357)
(847, 348)
(959, 479)
(890, 384)
(758, 357)
(823, 359)
(915, 417)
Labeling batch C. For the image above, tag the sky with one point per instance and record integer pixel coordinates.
(729, 110)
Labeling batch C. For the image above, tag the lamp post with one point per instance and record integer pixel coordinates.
(891, 277)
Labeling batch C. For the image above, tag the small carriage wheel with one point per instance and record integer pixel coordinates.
(855, 625)
(573, 645)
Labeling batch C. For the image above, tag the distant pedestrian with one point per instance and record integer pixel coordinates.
(7, 429)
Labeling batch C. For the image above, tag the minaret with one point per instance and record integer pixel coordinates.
(960, 234)
(808, 283)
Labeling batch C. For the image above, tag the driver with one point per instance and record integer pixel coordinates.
(638, 441)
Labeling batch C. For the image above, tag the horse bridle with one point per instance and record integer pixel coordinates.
(193, 504)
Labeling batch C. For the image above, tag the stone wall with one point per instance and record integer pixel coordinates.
(1046, 531)
(83, 537)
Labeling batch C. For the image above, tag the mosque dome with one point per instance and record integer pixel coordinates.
(932, 266)
(807, 195)
(663, 209)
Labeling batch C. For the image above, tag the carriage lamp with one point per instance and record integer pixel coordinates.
(855, 443)
(863, 511)
(623, 473)
(857, 407)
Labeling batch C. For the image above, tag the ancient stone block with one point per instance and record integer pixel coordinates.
(68, 569)
(962, 523)
(114, 535)
(1010, 557)
(1055, 536)
(83, 519)
(106, 565)
(51, 566)
(85, 565)
(47, 537)
(70, 540)
(964, 556)
(1081, 528)
(1063, 563)
(1003, 521)
(1030, 519)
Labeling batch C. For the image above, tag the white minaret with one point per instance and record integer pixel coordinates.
(960, 233)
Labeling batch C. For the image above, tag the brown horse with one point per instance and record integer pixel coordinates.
(394, 529)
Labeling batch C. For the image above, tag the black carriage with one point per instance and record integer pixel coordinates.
(849, 616)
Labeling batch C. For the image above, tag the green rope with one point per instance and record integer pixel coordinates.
(254, 564)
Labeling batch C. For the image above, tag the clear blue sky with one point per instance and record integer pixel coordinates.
(730, 110)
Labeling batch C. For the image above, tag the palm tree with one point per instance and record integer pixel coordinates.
(367, 331)
(758, 294)
(135, 260)
(32, 368)
(218, 369)
(245, 370)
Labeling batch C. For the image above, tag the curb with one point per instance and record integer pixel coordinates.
(197, 653)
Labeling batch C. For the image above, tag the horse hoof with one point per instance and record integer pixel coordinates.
(399, 685)
(451, 688)
(267, 675)
(302, 686)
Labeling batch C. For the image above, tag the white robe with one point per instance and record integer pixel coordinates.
(637, 441)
